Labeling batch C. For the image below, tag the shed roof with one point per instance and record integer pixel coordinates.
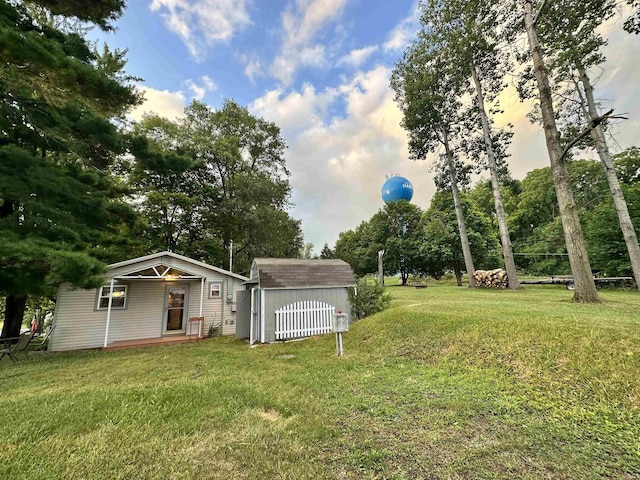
(296, 273)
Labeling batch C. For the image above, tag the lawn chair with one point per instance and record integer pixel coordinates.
(41, 341)
(20, 346)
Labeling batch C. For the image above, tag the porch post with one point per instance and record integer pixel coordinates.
(106, 332)
(201, 295)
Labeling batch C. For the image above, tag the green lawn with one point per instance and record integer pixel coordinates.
(448, 383)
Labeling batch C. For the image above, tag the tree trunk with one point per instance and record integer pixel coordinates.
(505, 239)
(14, 312)
(380, 267)
(462, 227)
(459, 276)
(585, 287)
(628, 232)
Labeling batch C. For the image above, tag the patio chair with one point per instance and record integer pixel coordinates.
(20, 346)
(40, 342)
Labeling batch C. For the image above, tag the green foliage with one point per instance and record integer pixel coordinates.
(536, 225)
(61, 209)
(214, 177)
(326, 252)
(632, 24)
(391, 229)
(368, 297)
(438, 240)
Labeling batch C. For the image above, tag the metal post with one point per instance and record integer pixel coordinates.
(201, 295)
(340, 351)
(231, 256)
(106, 332)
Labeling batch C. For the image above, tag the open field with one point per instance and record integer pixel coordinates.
(448, 383)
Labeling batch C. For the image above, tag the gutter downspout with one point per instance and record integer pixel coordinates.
(262, 315)
(106, 332)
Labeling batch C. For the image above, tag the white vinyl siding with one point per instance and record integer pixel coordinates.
(79, 325)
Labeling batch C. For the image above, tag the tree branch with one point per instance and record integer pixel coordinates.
(587, 130)
(535, 19)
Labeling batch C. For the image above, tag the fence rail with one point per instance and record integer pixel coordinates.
(303, 319)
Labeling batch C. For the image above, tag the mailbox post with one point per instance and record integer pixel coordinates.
(339, 324)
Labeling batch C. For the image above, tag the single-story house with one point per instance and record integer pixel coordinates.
(291, 298)
(159, 296)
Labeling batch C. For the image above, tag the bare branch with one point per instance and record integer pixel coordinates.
(535, 19)
(587, 130)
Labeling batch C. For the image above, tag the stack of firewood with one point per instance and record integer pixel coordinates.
(491, 278)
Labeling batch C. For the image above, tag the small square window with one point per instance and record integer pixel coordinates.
(119, 297)
(215, 290)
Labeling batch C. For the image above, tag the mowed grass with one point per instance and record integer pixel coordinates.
(447, 383)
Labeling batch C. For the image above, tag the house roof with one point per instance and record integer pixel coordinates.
(158, 255)
(296, 273)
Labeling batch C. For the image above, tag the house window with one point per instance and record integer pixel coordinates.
(119, 297)
(215, 290)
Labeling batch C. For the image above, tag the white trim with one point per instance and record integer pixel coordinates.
(252, 338)
(106, 331)
(211, 284)
(262, 316)
(111, 286)
(201, 298)
(185, 309)
(179, 257)
(153, 277)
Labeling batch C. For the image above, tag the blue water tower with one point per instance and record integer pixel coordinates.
(397, 188)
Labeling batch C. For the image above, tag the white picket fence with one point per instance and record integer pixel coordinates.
(303, 319)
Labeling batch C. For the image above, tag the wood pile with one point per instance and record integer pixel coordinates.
(491, 278)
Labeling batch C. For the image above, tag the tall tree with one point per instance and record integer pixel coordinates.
(572, 40)
(326, 252)
(59, 205)
(216, 176)
(585, 288)
(392, 230)
(468, 35)
(428, 93)
(438, 240)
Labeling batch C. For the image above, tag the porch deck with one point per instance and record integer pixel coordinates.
(151, 342)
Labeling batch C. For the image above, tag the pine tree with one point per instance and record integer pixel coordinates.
(60, 209)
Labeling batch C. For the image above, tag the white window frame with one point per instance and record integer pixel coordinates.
(219, 284)
(104, 294)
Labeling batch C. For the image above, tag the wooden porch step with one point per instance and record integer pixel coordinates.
(151, 342)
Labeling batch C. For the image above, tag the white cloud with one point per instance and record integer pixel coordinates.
(200, 90)
(355, 58)
(253, 70)
(338, 163)
(404, 32)
(300, 25)
(201, 23)
(161, 102)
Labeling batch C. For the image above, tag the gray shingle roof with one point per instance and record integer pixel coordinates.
(295, 272)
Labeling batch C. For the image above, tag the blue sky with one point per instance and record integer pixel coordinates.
(320, 70)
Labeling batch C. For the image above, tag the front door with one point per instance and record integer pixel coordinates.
(176, 309)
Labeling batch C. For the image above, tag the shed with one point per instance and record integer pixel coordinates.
(147, 299)
(289, 298)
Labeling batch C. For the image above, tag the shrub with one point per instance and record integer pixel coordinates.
(368, 298)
